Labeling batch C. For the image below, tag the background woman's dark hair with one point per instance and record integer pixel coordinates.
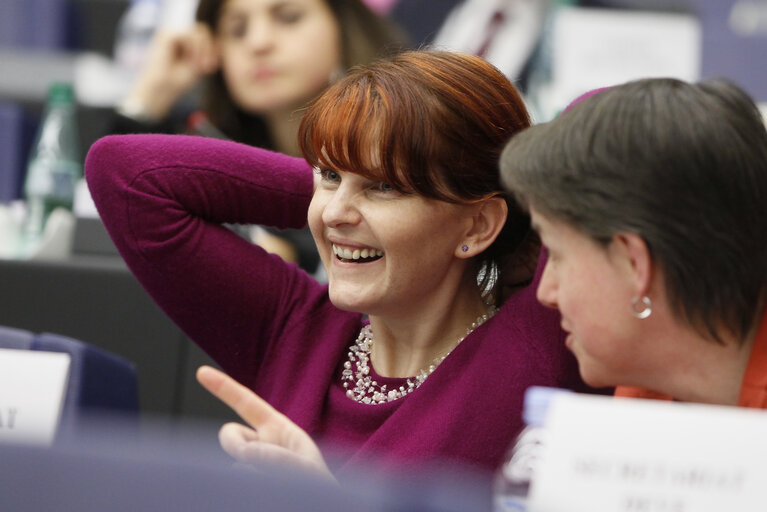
(427, 122)
(365, 36)
(684, 166)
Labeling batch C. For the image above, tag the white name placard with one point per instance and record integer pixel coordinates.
(605, 454)
(32, 385)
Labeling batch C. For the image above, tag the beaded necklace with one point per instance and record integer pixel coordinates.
(361, 387)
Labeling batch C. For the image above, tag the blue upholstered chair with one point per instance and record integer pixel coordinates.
(100, 385)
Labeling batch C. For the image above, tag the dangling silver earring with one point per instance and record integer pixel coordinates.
(464, 247)
(646, 307)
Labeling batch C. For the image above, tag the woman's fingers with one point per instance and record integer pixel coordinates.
(244, 445)
(205, 53)
(234, 439)
(249, 406)
(275, 437)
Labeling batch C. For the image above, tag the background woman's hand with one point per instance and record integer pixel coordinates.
(273, 437)
(175, 62)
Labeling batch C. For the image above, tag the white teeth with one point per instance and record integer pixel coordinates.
(355, 254)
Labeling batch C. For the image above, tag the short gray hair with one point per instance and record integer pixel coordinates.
(682, 165)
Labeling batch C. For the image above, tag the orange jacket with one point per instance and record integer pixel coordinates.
(753, 391)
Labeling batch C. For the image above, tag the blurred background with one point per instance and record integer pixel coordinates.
(554, 50)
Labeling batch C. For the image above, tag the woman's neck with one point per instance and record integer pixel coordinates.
(707, 371)
(403, 345)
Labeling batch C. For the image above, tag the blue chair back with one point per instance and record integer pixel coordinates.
(101, 385)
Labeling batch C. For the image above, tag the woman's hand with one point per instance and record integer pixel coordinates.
(176, 61)
(272, 438)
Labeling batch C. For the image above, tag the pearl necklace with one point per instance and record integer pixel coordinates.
(367, 391)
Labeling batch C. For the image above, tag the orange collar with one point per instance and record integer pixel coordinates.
(753, 392)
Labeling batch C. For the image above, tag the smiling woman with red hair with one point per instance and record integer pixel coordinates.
(414, 352)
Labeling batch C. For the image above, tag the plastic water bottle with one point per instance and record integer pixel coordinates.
(134, 34)
(512, 481)
(54, 166)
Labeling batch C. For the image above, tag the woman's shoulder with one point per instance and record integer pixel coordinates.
(524, 331)
(523, 307)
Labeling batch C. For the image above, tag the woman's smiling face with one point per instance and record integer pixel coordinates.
(384, 250)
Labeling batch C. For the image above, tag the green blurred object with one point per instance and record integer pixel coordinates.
(54, 164)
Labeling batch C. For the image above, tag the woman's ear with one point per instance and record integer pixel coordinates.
(635, 258)
(487, 221)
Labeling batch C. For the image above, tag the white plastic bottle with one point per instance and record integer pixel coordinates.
(512, 481)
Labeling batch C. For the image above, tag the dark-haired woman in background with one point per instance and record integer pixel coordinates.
(259, 63)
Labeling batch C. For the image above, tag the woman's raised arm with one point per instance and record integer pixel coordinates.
(164, 200)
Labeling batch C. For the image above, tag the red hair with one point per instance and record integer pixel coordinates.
(433, 123)
(428, 122)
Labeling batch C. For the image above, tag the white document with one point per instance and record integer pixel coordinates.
(605, 454)
(32, 385)
(593, 48)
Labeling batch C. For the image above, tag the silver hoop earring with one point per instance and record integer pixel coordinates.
(646, 307)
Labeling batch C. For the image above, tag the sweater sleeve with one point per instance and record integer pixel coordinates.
(163, 200)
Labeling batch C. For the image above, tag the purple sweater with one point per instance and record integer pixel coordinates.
(164, 198)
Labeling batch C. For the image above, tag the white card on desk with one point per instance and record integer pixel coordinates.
(605, 454)
(32, 385)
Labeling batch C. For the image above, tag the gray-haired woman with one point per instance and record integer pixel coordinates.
(651, 198)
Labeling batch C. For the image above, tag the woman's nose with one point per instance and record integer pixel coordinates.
(341, 208)
(260, 35)
(547, 290)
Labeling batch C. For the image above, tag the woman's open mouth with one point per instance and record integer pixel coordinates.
(357, 255)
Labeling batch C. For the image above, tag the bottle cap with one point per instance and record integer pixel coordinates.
(537, 400)
(60, 93)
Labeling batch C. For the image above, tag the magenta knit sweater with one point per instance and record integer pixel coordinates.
(163, 199)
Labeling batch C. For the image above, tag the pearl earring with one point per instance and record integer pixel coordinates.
(641, 307)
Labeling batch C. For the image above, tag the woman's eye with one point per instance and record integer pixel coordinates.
(384, 187)
(233, 26)
(288, 15)
(329, 175)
